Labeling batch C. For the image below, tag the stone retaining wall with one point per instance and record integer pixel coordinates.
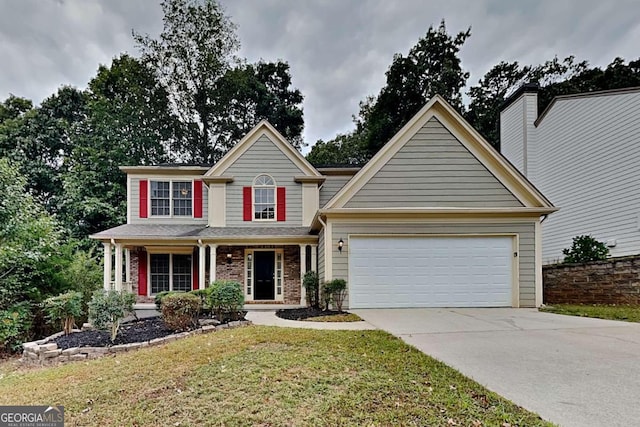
(613, 281)
(44, 351)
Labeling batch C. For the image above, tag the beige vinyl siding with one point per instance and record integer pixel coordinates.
(525, 231)
(321, 255)
(263, 157)
(588, 157)
(134, 201)
(433, 169)
(331, 186)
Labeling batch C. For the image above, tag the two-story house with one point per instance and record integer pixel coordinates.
(582, 152)
(436, 218)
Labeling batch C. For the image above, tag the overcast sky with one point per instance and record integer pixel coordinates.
(338, 50)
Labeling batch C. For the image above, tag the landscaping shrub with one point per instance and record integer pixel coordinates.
(203, 294)
(180, 311)
(226, 297)
(338, 289)
(311, 284)
(161, 295)
(107, 309)
(64, 309)
(15, 324)
(325, 295)
(585, 249)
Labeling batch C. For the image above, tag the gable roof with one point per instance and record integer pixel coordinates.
(262, 128)
(437, 107)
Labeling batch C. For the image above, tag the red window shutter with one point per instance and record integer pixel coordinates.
(282, 204)
(194, 285)
(144, 185)
(246, 203)
(197, 199)
(142, 273)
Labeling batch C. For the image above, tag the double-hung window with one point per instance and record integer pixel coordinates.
(171, 198)
(264, 198)
(170, 272)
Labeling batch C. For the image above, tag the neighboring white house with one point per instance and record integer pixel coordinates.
(583, 153)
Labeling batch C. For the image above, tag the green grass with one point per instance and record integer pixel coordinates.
(265, 376)
(344, 317)
(628, 313)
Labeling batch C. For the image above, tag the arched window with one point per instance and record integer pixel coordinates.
(264, 198)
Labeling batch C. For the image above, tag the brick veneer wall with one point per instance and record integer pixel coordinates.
(614, 281)
(235, 270)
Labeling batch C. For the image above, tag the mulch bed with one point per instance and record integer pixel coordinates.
(130, 332)
(305, 313)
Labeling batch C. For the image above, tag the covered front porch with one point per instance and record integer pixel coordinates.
(270, 267)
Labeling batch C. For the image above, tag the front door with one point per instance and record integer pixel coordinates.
(264, 262)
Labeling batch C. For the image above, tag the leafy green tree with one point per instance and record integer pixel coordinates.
(248, 93)
(193, 51)
(431, 67)
(487, 97)
(28, 236)
(128, 122)
(217, 97)
(343, 150)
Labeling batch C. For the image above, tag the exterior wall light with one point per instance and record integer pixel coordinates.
(229, 256)
(340, 244)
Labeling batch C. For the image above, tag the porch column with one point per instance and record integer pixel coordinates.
(107, 266)
(118, 267)
(303, 270)
(127, 265)
(213, 253)
(201, 266)
(314, 258)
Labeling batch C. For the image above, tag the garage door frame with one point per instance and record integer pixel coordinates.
(515, 245)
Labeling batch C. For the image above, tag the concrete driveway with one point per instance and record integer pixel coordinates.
(572, 371)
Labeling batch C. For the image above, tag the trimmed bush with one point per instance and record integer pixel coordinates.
(15, 324)
(311, 284)
(160, 296)
(333, 292)
(585, 249)
(107, 309)
(180, 311)
(226, 296)
(64, 309)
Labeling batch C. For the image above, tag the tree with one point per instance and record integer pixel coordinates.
(128, 122)
(28, 236)
(585, 249)
(217, 97)
(489, 95)
(343, 150)
(194, 50)
(431, 67)
(40, 139)
(249, 93)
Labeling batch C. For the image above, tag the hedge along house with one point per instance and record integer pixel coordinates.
(437, 218)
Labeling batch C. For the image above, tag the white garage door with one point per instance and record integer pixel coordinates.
(391, 272)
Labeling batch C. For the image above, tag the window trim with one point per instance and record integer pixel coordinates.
(171, 254)
(171, 215)
(273, 187)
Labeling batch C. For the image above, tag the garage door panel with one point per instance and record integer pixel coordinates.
(430, 272)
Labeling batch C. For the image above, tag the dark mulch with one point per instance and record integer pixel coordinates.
(131, 332)
(305, 313)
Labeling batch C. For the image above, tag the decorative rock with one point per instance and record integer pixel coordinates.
(208, 328)
(156, 341)
(48, 347)
(87, 327)
(71, 351)
(223, 326)
(79, 356)
(205, 322)
(51, 353)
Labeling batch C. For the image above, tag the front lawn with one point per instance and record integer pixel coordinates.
(265, 376)
(628, 313)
